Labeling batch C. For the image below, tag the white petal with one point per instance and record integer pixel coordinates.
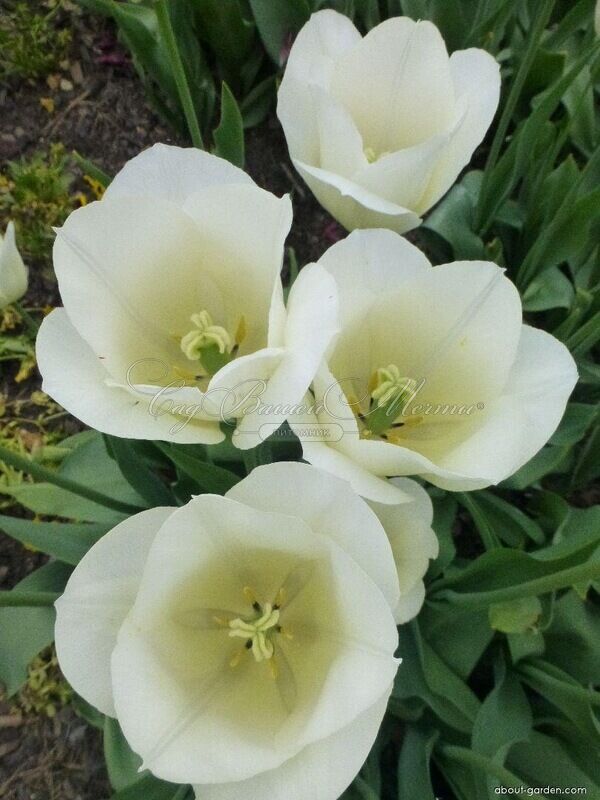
(131, 273)
(413, 542)
(404, 176)
(457, 326)
(334, 510)
(96, 600)
(525, 416)
(397, 84)
(366, 265)
(75, 377)
(476, 78)
(243, 230)
(312, 322)
(324, 39)
(193, 718)
(172, 173)
(13, 272)
(352, 205)
(320, 772)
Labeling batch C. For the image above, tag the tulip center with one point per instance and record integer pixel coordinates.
(258, 629)
(390, 392)
(212, 345)
(372, 155)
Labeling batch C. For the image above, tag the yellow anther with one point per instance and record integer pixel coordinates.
(274, 668)
(249, 595)
(224, 623)
(280, 599)
(370, 154)
(237, 658)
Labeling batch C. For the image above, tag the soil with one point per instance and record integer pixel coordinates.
(106, 118)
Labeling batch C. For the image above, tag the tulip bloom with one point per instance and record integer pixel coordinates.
(380, 127)
(227, 636)
(13, 272)
(173, 304)
(433, 372)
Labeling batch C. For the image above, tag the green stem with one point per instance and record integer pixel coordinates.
(548, 583)
(40, 473)
(168, 36)
(32, 326)
(15, 599)
(482, 763)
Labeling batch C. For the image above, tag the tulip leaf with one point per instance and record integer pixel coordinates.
(210, 477)
(551, 289)
(546, 762)
(414, 779)
(278, 22)
(65, 541)
(572, 640)
(502, 574)
(121, 762)
(27, 630)
(151, 788)
(496, 519)
(134, 469)
(504, 717)
(575, 423)
(229, 135)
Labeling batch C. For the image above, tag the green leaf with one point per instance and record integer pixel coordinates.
(425, 675)
(551, 289)
(151, 788)
(444, 515)
(544, 762)
(453, 219)
(210, 477)
(572, 640)
(121, 762)
(223, 28)
(503, 719)
(132, 465)
(515, 616)
(501, 575)
(575, 423)
(414, 779)
(564, 692)
(26, 631)
(549, 459)
(229, 135)
(276, 22)
(65, 541)
(461, 634)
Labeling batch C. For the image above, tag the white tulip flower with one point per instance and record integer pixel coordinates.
(433, 372)
(173, 304)
(246, 643)
(380, 127)
(13, 272)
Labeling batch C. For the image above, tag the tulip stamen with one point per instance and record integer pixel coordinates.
(257, 631)
(212, 345)
(390, 393)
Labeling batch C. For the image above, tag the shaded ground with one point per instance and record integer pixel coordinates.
(104, 116)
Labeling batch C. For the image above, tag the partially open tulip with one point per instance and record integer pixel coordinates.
(246, 643)
(173, 304)
(380, 127)
(433, 372)
(13, 272)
